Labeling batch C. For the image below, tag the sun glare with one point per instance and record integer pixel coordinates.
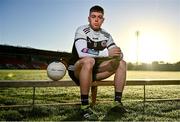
(152, 46)
(148, 47)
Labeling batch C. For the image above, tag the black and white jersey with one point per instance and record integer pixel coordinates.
(88, 42)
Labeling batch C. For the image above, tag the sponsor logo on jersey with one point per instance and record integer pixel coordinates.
(95, 38)
(95, 44)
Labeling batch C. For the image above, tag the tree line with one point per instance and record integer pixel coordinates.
(155, 66)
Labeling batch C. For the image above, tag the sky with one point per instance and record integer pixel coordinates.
(51, 25)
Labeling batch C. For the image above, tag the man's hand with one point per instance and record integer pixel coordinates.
(115, 52)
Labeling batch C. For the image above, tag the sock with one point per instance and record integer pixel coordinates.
(84, 100)
(118, 96)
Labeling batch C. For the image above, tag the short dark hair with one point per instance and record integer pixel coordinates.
(96, 8)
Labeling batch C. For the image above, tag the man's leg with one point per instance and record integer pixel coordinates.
(119, 68)
(120, 80)
(83, 72)
(107, 68)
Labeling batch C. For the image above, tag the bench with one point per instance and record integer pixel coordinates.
(95, 84)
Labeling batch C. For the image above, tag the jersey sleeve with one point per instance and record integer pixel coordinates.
(110, 42)
(79, 34)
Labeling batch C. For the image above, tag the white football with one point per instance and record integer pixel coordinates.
(56, 70)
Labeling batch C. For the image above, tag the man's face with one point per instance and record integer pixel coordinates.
(95, 20)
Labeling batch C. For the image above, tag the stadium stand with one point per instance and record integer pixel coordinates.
(28, 58)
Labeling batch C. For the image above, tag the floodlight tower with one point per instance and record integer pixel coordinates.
(137, 47)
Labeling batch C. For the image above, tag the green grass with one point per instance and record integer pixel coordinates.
(154, 111)
(23, 74)
(132, 99)
(42, 75)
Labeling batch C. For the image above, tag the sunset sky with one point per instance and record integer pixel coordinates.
(51, 24)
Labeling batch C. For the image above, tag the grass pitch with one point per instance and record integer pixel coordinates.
(132, 99)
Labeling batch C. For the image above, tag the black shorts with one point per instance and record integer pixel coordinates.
(95, 70)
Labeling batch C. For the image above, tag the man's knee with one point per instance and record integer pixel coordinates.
(122, 64)
(114, 64)
(119, 64)
(88, 62)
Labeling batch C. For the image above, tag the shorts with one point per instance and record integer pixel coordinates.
(95, 70)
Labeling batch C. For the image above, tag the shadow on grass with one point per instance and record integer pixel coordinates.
(112, 115)
(74, 116)
(104, 113)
